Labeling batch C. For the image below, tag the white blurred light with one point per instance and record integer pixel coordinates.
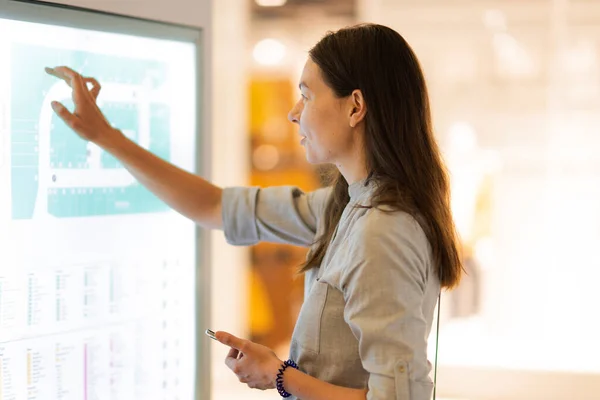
(2, 117)
(265, 157)
(462, 137)
(513, 58)
(270, 3)
(485, 252)
(269, 52)
(581, 58)
(494, 19)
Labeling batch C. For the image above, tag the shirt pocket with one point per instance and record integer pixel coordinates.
(307, 333)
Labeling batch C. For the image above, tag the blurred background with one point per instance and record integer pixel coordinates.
(515, 90)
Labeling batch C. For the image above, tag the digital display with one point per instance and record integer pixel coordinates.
(97, 275)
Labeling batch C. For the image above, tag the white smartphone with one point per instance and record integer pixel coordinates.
(210, 334)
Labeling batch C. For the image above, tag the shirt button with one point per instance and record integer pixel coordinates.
(401, 369)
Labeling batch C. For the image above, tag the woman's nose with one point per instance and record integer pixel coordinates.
(294, 114)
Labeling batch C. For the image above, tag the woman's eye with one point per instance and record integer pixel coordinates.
(303, 96)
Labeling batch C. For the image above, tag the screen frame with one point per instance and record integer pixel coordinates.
(84, 18)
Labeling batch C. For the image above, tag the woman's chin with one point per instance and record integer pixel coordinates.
(313, 160)
(310, 160)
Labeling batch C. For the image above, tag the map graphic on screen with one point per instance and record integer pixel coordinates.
(56, 172)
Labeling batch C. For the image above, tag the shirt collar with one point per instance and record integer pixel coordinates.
(359, 189)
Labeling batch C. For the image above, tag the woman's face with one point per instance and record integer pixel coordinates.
(323, 119)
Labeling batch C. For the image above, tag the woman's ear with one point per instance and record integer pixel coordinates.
(358, 108)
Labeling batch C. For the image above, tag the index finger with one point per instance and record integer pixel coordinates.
(56, 73)
(62, 72)
(229, 340)
(72, 78)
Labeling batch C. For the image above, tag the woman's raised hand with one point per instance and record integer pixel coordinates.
(86, 120)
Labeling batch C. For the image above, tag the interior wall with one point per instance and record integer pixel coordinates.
(230, 167)
(187, 12)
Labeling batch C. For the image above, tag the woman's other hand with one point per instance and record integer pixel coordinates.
(86, 120)
(254, 364)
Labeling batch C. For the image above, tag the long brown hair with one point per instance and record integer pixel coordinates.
(402, 155)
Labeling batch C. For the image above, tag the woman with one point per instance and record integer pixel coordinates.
(381, 237)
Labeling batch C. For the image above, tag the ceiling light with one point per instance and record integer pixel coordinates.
(269, 52)
(270, 3)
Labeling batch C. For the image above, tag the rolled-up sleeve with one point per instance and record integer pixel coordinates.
(384, 292)
(281, 214)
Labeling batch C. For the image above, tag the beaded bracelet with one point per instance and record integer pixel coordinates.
(279, 380)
